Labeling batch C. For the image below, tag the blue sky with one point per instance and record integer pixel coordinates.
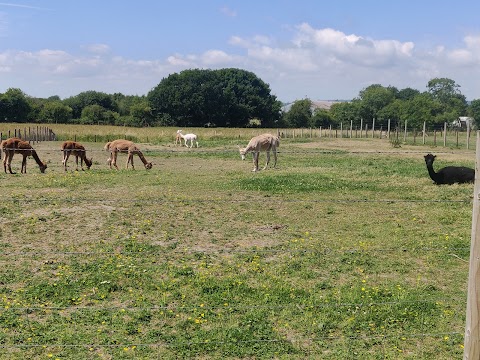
(323, 50)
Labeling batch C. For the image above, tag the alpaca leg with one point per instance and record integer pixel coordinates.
(6, 155)
(275, 157)
(24, 165)
(76, 162)
(255, 161)
(268, 160)
(9, 162)
(114, 160)
(131, 161)
(65, 159)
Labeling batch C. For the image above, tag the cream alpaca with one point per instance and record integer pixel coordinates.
(264, 142)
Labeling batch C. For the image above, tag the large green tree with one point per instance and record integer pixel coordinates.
(226, 97)
(14, 106)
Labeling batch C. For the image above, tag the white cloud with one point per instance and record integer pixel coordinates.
(228, 12)
(97, 48)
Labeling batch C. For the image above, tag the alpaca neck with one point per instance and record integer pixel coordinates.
(37, 159)
(140, 155)
(433, 175)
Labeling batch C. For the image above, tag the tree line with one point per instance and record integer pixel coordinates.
(238, 98)
(441, 103)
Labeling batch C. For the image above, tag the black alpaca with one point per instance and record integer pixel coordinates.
(450, 174)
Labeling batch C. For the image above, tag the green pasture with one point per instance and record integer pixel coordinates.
(345, 251)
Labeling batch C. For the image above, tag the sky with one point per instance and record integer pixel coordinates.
(316, 49)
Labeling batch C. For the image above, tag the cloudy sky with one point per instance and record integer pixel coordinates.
(323, 50)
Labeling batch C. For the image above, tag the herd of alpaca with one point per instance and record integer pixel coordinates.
(261, 143)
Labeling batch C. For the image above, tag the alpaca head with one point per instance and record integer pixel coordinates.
(88, 162)
(429, 159)
(243, 151)
(43, 167)
(148, 166)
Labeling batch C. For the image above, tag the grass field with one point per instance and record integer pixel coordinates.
(345, 251)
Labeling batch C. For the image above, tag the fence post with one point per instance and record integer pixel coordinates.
(373, 128)
(388, 129)
(405, 132)
(468, 135)
(424, 134)
(472, 329)
(445, 135)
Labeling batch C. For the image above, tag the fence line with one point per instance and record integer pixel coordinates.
(35, 134)
(401, 336)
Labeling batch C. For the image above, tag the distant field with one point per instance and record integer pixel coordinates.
(345, 251)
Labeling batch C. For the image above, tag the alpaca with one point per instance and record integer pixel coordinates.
(14, 146)
(76, 149)
(125, 146)
(450, 174)
(188, 137)
(264, 142)
(178, 138)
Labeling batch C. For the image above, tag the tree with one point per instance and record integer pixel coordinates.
(346, 112)
(447, 92)
(226, 97)
(56, 112)
(93, 114)
(474, 111)
(321, 117)
(14, 106)
(300, 114)
(407, 94)
(84, 99)
(422, 108)
(142, 113)
(373, 99)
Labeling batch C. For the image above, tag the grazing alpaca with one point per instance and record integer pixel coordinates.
(125, 146)
(450, 174)
(14, 146)
(264, 142)
(76, 149)
(188, 137)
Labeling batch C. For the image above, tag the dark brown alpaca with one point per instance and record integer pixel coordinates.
(78, 150)
(449, 174)
(14, 146)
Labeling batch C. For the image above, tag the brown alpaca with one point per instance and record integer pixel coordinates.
(124, 146)
(14, 146)
(78, 150)
(178, 138)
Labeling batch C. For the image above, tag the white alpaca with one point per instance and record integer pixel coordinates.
(264, 142)
(188, 137)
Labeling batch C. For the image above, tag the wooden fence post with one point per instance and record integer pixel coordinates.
(471, 349)
(445, 135)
